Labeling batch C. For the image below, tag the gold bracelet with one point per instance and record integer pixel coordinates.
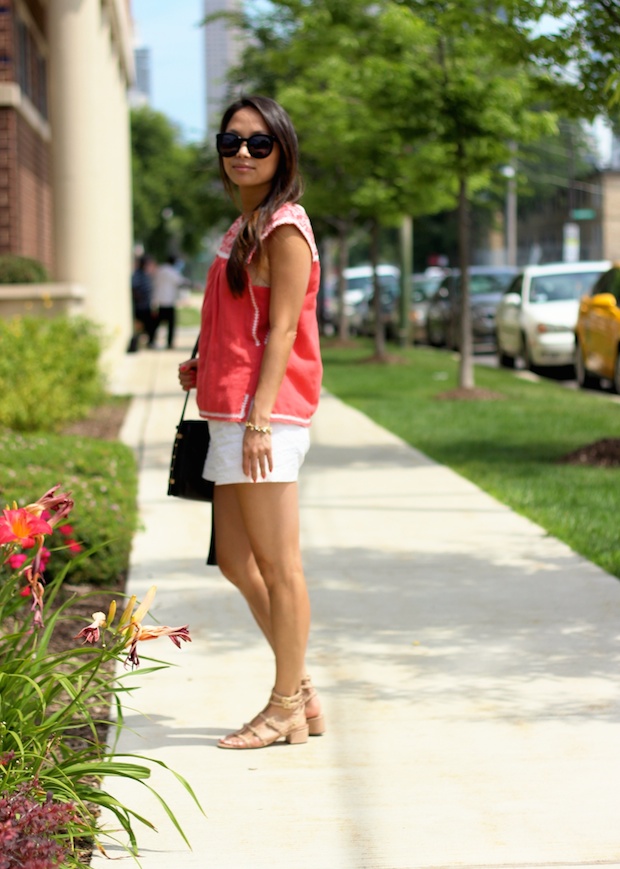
(262, 429)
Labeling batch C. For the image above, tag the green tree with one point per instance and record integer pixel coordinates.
(485, 91)
(177, 197)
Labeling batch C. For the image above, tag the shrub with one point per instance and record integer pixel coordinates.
(102, 477)
(21, 270)
(33, 832)
(49, 372)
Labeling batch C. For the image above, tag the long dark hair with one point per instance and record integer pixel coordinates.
(286, 185)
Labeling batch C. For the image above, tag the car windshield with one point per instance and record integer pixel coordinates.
(358, 283)
(480, 285)
(388, 283)
(423, 288)
(561, 288)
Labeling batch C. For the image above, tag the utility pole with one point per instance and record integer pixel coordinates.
(510, 173)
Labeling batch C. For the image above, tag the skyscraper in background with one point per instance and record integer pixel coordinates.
(222, 50)
(140, 92)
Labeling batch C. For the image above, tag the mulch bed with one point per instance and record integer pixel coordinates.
(474, 394)
(103, 423)
(601, 454)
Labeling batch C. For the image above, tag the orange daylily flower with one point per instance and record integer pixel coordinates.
(22, 527)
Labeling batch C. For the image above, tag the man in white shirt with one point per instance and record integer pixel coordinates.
(167, 282)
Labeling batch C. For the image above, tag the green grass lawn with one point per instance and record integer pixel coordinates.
(509, 447)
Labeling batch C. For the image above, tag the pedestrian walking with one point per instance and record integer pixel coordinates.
(167, 281)
(141, 297)
(258, 377)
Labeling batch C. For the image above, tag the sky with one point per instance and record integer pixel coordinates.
(170, 31)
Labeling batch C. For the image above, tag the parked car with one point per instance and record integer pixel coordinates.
(357, 297)
(423, 288)
(597, 336)
(486, 285)
(537, 315)
(360, 279)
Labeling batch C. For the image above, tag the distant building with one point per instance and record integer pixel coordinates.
(65, 156)
(591, 205)
(140, 92)
(223, 47)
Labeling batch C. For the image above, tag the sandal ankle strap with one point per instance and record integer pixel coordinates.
(285, 702)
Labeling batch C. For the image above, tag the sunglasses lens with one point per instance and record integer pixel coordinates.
(260, 146)
(228, 144)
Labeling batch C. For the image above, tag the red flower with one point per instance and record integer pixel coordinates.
(16, 561)
(74, 546)
(90, 634)
(67, 530)
(152, 632)
(21, 526)
(59, 505)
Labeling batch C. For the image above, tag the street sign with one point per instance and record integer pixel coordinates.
(572, 243)
(582, 214)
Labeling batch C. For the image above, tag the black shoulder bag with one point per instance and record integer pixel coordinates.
(189, 452)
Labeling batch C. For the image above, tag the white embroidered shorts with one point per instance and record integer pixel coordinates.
(289, 444)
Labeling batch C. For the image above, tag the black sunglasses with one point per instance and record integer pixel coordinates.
(260, 145)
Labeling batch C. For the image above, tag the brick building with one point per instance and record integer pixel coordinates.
(65, 158)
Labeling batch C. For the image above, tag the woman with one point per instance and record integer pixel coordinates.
(258, 377)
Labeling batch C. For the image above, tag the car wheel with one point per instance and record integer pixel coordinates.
(616, 380)
(584, 378)
(504, 359)
(434, 337)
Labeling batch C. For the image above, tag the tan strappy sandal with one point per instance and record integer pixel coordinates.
(316, 724)
(264, 730)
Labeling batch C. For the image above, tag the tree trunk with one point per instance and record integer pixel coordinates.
(406, 268)
(466, 365)
(374, 261)
(343, 261)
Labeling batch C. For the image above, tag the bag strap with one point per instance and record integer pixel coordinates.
(193, 356)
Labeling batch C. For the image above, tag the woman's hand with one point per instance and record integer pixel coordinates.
(188, 373)
(257, 458)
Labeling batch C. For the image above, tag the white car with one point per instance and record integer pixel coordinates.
(537, 314)
(357, 294)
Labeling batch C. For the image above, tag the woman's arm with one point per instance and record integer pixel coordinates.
(290, 262)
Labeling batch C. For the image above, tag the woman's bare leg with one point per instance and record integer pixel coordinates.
(238, 564)
(236, 559)
(271, 517)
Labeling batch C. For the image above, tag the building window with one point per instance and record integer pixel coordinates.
(31, 69)
(23, 57)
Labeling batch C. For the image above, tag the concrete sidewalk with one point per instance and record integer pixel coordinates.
(469, 667)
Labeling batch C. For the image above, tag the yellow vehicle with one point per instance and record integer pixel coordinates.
(597, 336)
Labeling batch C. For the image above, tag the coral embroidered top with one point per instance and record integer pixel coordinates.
(234, 333)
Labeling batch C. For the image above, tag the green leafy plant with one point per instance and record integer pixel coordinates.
(49, 372)
(102, 478)
(21, 270)
(52, 727)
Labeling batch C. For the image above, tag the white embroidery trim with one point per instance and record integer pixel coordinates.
(256, 315)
